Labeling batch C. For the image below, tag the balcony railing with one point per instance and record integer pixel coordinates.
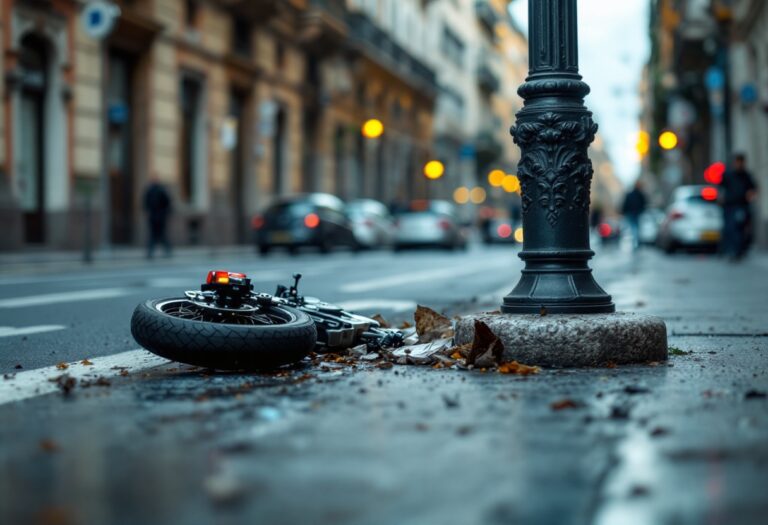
(487, 78)
(377, 44)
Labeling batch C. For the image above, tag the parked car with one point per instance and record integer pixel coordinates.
(371, 222)
(429, 223)
(316, 219)
(499, 231)
(693, 221)
(609, 231)
(650, 223)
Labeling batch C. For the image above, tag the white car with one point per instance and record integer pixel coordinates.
(694, 220)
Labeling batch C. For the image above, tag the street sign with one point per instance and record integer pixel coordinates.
(98, 18)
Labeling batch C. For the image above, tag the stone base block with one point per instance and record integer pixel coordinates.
(573, 340)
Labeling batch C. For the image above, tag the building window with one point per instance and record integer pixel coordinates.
(452, 47)
(192, 14)
(241, 36)
(280, 55)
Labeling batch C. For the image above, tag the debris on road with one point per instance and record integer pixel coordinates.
(564, 404)
(431, 325)
(65, 382)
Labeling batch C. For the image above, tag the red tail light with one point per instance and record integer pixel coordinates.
(223, 277)
(709, 193)
(675, 215)
(504, 230)
(311, 220)
(604, 229)
(257, 222)
(444, 224)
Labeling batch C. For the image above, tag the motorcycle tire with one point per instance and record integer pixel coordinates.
(222, 345)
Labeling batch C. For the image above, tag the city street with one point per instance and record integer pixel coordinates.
(155, 442)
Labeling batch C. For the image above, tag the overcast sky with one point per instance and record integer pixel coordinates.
(613, 46)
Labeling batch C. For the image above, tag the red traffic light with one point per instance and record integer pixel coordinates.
(709, 193)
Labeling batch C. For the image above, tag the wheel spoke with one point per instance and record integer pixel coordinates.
(188, 310)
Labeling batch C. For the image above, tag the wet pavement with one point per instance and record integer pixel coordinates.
(685, 441)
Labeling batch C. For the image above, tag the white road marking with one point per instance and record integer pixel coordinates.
(392, 305)
(420, 276)
(38, 382)
(8, 331)
(64, 297)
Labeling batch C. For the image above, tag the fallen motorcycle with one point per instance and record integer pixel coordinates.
(226, 325)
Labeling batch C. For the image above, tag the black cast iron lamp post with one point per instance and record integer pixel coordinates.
(554, 130)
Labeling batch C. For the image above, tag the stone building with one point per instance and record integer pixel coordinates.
(749, 94)
(227, 102)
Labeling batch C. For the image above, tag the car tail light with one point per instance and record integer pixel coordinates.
(223, 277)
(257, 222)
(444, 224)
(604, 229)
(709, 193)
(311, 220)
(504, 230)
(675, 215)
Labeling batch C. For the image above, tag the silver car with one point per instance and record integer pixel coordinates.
(372, 223)
(430, 223)
(693, 220)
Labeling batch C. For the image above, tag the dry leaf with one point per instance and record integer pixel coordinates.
(543, 311)
(485, 341)
(62, 366)
(86, 362)
(430, 325)
(49, 445)
(380, 319)
(564, 404)
(513, 367)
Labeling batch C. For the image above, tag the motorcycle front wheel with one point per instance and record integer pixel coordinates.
(263, 338)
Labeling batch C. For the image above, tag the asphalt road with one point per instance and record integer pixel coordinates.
(683, 442)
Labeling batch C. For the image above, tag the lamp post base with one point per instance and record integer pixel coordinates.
(573, 340)
(558, 283)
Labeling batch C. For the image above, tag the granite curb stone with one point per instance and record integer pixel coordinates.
(573, 340)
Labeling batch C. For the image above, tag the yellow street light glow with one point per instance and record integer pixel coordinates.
(496, 177)
(519, 234)
(461, 195)
(668, 140)
(643, 143)
(372, 128)
(434, 169)
(511, 183)
(477, 195)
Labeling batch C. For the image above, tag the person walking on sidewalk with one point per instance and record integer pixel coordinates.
(634, 206)
(157, 204)
(738, 190)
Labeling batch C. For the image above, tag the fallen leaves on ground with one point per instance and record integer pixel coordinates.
(49, 445)
(65, 382)
(564, 404)
(62, 366)
(86, 362)
(380, 319)
(513, 367)
(431, 325)
(487, 349)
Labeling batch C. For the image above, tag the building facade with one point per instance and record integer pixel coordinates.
(229, 103)
(749, 95)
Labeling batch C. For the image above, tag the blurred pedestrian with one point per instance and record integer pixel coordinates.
(633, 207)
(157, 204)
(738, 190)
